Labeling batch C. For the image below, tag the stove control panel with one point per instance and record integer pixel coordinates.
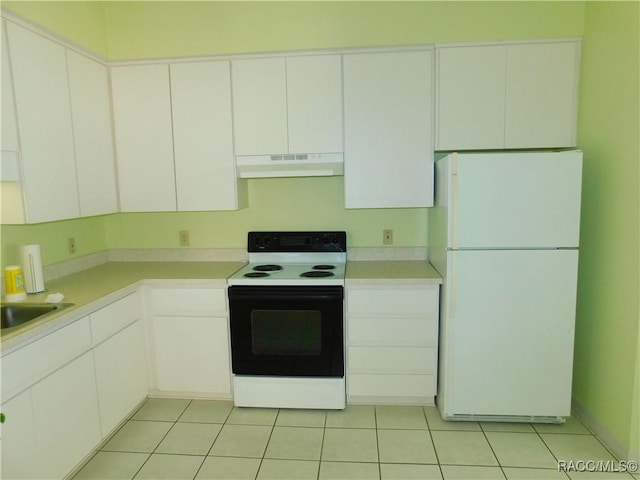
(297, 241)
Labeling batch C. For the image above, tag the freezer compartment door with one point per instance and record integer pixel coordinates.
(507, 333)
(515, 200)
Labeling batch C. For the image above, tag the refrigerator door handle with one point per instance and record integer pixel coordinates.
(454, 201)
(453, 291)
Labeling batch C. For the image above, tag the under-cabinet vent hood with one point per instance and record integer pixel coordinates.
(290, 165)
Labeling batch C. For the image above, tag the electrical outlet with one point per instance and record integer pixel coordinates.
(71, 244)
(184, 238)
(387, 236)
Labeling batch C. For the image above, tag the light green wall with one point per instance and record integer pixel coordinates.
(84, 23)
(149, 29)
(606, 349)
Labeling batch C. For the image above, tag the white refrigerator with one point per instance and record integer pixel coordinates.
(504, 235)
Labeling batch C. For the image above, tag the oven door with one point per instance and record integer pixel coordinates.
(287, 331)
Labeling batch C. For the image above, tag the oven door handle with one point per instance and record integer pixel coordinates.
(284, 293)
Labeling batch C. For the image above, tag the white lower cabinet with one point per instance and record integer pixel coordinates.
(188, 339)
(19, 450)
(65, 412)
(120, 359)
(392, 349)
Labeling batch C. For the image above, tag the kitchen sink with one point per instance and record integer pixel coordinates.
(17, 314)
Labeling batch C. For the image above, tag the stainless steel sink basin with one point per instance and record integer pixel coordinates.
(14, 314)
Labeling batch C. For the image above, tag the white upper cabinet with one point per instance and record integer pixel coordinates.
(9, 133)
(507, 96)
(287, 105)
(314, 104)
(203, 137)
(41, 86)
(542, 95)
(91, 113)
(144, 137)
(388, 115)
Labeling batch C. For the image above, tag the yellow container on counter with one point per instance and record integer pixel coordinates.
(14, 284)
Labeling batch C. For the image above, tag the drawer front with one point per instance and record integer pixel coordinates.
(28, 365)
(372, 331)
(196, 302)
(399, 360)
(391, 385)
(113, 318)
(395, 302)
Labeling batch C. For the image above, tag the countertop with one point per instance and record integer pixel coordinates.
(98, 286)
(412, 272)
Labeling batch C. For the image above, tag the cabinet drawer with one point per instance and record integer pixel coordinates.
(112, 318)
(399, 360)
(395, 302)
(392, 331)
(391, 385)
(26, 366)
(196, 302)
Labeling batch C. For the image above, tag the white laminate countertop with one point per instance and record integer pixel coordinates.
(414, 272)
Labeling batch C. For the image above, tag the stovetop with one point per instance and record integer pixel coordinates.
(289, 274)
(294, 258)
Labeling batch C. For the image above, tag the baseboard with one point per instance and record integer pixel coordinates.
(618, 448)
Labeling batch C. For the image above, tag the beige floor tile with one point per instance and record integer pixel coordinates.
(112, 466)
(436, 423)
(241, 441)
(226, 468)
(173, 467)
(575, 447)
(520, 450)
(397, 471)
(252, 416)
(189, 438)
(301, 418)
(463, 448)
(464, 472)
(354, 416)
(350, 445)
(288, 470)
(533, 474)
(207, 411)
(392, 416)
(161, 409)
(506, 427)
(295, 443)
(137, 436)
(348, 471)
(571, 425)
(406, 446)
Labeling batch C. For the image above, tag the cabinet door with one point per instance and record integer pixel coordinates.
(470, 97)
(91, 112)
(314, 104)
(9, 135)
(65, 409)
(259, 106)
(203, 136)
(190, 355)
(144, 142)
(44, 120)
(121, 374)
(20, 453)
(542, 95)
(388, 129)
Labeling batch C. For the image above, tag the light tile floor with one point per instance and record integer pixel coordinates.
(202, 439)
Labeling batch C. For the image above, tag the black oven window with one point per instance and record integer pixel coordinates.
(286, 332)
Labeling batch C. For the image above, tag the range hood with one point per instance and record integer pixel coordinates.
(290, 165)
